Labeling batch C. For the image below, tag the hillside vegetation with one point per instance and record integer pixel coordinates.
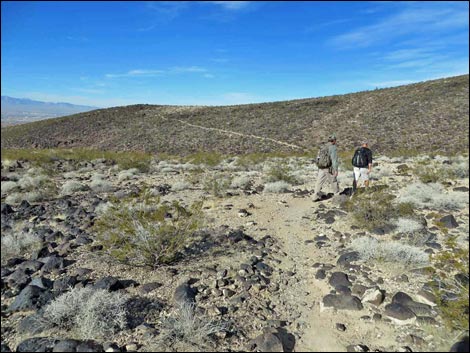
(431, 116)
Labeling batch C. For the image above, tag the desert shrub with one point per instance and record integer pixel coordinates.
(241, 182)
(30, 196)
(432, 196)
(181, 185)
(185, 326)
(125, 160)
(217, 185)
(87, 313)
(8, 186)
(127, 174)
(452, 294)
(71, 187)
(102, 208)
(29, 182)
(17, 243)
(279, 172)
(276, 187)
(372, 208)
(143, 232)
(210, 159)
(408, 225)
(100, 185)
(389, 251)
(71, 175)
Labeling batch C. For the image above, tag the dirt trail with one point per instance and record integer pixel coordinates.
(234, 133)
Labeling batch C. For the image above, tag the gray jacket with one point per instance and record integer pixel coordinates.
(334, 157)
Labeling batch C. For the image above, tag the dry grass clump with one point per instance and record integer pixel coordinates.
(277, 187)
(387, 251)
(87, 313)
(70, 187)
(17, 244)
(433, 196)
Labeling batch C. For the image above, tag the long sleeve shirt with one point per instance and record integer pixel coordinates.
(334, 157)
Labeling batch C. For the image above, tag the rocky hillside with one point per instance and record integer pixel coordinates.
(264, 269)
(427, 116)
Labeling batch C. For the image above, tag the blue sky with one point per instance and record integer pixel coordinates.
(218, 53)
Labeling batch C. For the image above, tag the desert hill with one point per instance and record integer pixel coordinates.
(427, 116)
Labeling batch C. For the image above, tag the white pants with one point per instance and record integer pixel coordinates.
(361, 172)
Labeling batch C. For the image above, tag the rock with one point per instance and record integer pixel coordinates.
(359, 290)
(41, 282)
(89, 346)
(64, 284)
(414, 340)
(458, 188)
(31, 325)
(54, 264)
(149, 287)
(417, 307)
(357, 348)
(449, 221)
(6, 209)
(36, 344)
(184, 294)
(461, 346)
(5, 348)
(340, 327)
(66, 346)
(426, 297)
(18, 279)
(267, 342)
(342, 302)
(374, 296)
(339, 279)
(462, 278)
(321, 274)
(109, 283)
(399, 314)
(31, 298)
(345, 259)
(31, 265)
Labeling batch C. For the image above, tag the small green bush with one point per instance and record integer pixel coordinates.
(143, 232)
(280, 172)
(217, 185)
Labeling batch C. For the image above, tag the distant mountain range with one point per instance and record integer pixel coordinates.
(21, 110)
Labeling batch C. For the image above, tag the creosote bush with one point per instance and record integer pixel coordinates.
(374, 207)
(17, 243)
(217, 185)
(143, 232)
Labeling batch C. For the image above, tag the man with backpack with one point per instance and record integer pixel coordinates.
(327, 162)
(362, 163)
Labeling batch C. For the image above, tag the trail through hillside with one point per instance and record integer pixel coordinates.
(234, 133)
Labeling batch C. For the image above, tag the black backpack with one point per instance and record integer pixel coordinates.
(359, 159)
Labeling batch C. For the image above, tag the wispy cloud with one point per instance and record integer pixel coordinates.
(230, 5)
(137, 73)
(413, 19)
(77, 38)
(169, 9)
(153, 73)
(90, 90)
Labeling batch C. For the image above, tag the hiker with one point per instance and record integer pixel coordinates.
(327, 161)
(362, 163)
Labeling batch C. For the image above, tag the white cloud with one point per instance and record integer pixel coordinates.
(390, 83)
(230, 5)
(414, 19)
(153, 73)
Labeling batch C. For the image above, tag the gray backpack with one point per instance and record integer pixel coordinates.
(323, 158)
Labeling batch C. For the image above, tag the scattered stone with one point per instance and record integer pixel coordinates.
(399, 314)
(342, 302)
(461, 346)
(109, 283)
(338, 279)
(346, 259)
(340, 327)
(321, 274)
(357, 348)
(31, 298)
(36, 344)
(184, 294)
(66, 346)
(449, 221)
(374, 296)
(149, 287)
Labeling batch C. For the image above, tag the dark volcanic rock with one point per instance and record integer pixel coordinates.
(31, 325)
(109, 283)
(339, 279)
(342, 302)
(184, 294)
(31, 298)
(36, 344)
(149, 287)
(399, 312)
(346, 259)
(461, 346)
(449, 221)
